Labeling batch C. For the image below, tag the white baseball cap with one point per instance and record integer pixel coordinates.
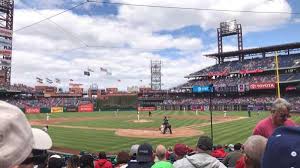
(17, 139)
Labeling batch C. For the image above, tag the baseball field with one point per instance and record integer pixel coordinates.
(112, 131)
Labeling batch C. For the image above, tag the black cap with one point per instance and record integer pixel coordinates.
(144, 153)
(205, 143)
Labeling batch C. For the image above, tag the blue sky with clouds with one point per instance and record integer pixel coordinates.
(179, 38)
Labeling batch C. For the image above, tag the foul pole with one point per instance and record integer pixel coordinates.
(277, 75)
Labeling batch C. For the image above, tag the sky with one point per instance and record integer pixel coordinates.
(124, 39)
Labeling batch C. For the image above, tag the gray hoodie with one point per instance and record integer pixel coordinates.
(199, 160)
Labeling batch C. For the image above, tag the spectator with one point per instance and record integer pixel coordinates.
(231, 147)
(282, 149)
(253, 149)
(170, 155)
(279, 117)
(122, 160)
(218, 152)
(144, 157)
(86, 161)
(160, 153)
(132, 154)
(180, 151)
(202, 158)
(73, 162)
(18, 139)
(102, 162)
(55, 161)
(232, 157)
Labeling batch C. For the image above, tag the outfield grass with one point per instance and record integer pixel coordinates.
(92, 140)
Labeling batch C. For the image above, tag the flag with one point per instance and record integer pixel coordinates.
(71, 80)
(108, 73)
(40, 81)
(103, 69)
(57, 80)
(87, 73)
(37, 78)
(49, 80)
(90, 70)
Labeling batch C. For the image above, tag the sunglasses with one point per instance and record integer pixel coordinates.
(285, 116)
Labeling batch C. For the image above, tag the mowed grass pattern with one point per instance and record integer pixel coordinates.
(95, 140)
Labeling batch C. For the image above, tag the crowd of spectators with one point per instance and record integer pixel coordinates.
(49, 102)
(233, 80)
(285, 61)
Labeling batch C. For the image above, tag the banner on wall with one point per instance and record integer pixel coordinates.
(260, 86)
(57, 109)
(71, 109)
(5, 42)
(146, 108)
(86, 108)
(32, 110)
(251, 71)
(5, 32)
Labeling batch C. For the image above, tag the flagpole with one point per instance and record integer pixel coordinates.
(277, 75)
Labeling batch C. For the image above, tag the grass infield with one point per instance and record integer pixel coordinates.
(98, 130)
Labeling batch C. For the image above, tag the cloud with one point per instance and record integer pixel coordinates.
(171, 19)
(124, 43)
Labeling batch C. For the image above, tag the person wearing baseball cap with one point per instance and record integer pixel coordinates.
(201, 158)
(283, 148)
(144, 157)
(18, 139)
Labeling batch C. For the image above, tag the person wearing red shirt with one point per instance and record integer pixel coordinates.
(219, 152)
(280, 114)
(102, 162)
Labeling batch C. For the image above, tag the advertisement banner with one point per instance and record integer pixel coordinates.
(241, 88)
(5, 52)
(201, 89)
(32, 110)
(4, 62)
(5, 32)
(290, 88)
(5, 42)
(223, 73)
(86, 108)
(71, 109)
(260, 86)
(146, 108)
(57, 109)
(251, 71)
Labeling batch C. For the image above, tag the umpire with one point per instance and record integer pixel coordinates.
(167, 125)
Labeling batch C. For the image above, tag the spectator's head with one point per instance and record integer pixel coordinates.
(219, 147)
(55, 161)
(18, 138)
(145, 153)
(283, 148)
(160, 152)
(237, 146)
(123, 157)
(204, 144)
(86, 161)
(180, 150)
(102, 155)
(280, 111)
(254, 148)
(73, 162)
(133, 151)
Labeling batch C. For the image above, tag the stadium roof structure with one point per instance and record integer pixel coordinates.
(254, 51)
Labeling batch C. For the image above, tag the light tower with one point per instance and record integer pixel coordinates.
(6, 30)
(155, 75)
(230, 28)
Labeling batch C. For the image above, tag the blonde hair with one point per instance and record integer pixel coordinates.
(279, 105)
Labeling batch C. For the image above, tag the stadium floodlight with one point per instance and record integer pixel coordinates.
(228, 28)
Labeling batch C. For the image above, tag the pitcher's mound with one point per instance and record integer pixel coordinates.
(142, 121)
(180, 132)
